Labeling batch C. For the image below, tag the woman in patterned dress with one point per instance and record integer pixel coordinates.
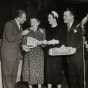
(33, 68)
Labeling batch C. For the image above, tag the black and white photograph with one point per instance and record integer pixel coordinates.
(43, 43)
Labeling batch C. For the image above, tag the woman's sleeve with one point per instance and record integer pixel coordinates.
(24, 42)
(44, 34)
(44, 37)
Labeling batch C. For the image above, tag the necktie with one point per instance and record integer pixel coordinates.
(68, 26)
(20, 27)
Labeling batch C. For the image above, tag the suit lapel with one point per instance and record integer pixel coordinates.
(17, 28)
(72, 27)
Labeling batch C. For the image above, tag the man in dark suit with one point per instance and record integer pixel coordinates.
(74, 38)
(10, 49)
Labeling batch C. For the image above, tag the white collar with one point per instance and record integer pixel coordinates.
(70, 25)
(18, 24)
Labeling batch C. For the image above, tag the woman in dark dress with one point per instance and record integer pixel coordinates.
(33, 68)
(54, 63)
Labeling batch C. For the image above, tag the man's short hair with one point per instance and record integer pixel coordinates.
(19, 13)
(70, 10)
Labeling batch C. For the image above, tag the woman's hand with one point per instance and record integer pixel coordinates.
(53, 42)
(25, 48)
(44, 42)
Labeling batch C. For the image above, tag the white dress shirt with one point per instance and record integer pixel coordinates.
(18, 24)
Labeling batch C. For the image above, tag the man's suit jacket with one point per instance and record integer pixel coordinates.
(74, 36)
(10, 53)
(11, 41)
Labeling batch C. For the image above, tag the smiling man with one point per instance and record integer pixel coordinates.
(10, 49)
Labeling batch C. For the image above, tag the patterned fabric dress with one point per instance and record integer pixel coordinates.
(33, 68)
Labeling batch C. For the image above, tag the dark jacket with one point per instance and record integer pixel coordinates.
(11, 41)
(74, 36)
(10, 53)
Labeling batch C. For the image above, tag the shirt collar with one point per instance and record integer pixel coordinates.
(18, 24)
(70, 25)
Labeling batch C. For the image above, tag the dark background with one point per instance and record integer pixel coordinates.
(40, 7)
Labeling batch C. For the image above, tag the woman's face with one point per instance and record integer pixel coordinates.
(51, 19)
(34, 22)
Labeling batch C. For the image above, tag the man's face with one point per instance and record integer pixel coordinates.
(68, 17)
(22, 18)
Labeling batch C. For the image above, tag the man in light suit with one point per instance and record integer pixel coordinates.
(10, 49)
(74, 38)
